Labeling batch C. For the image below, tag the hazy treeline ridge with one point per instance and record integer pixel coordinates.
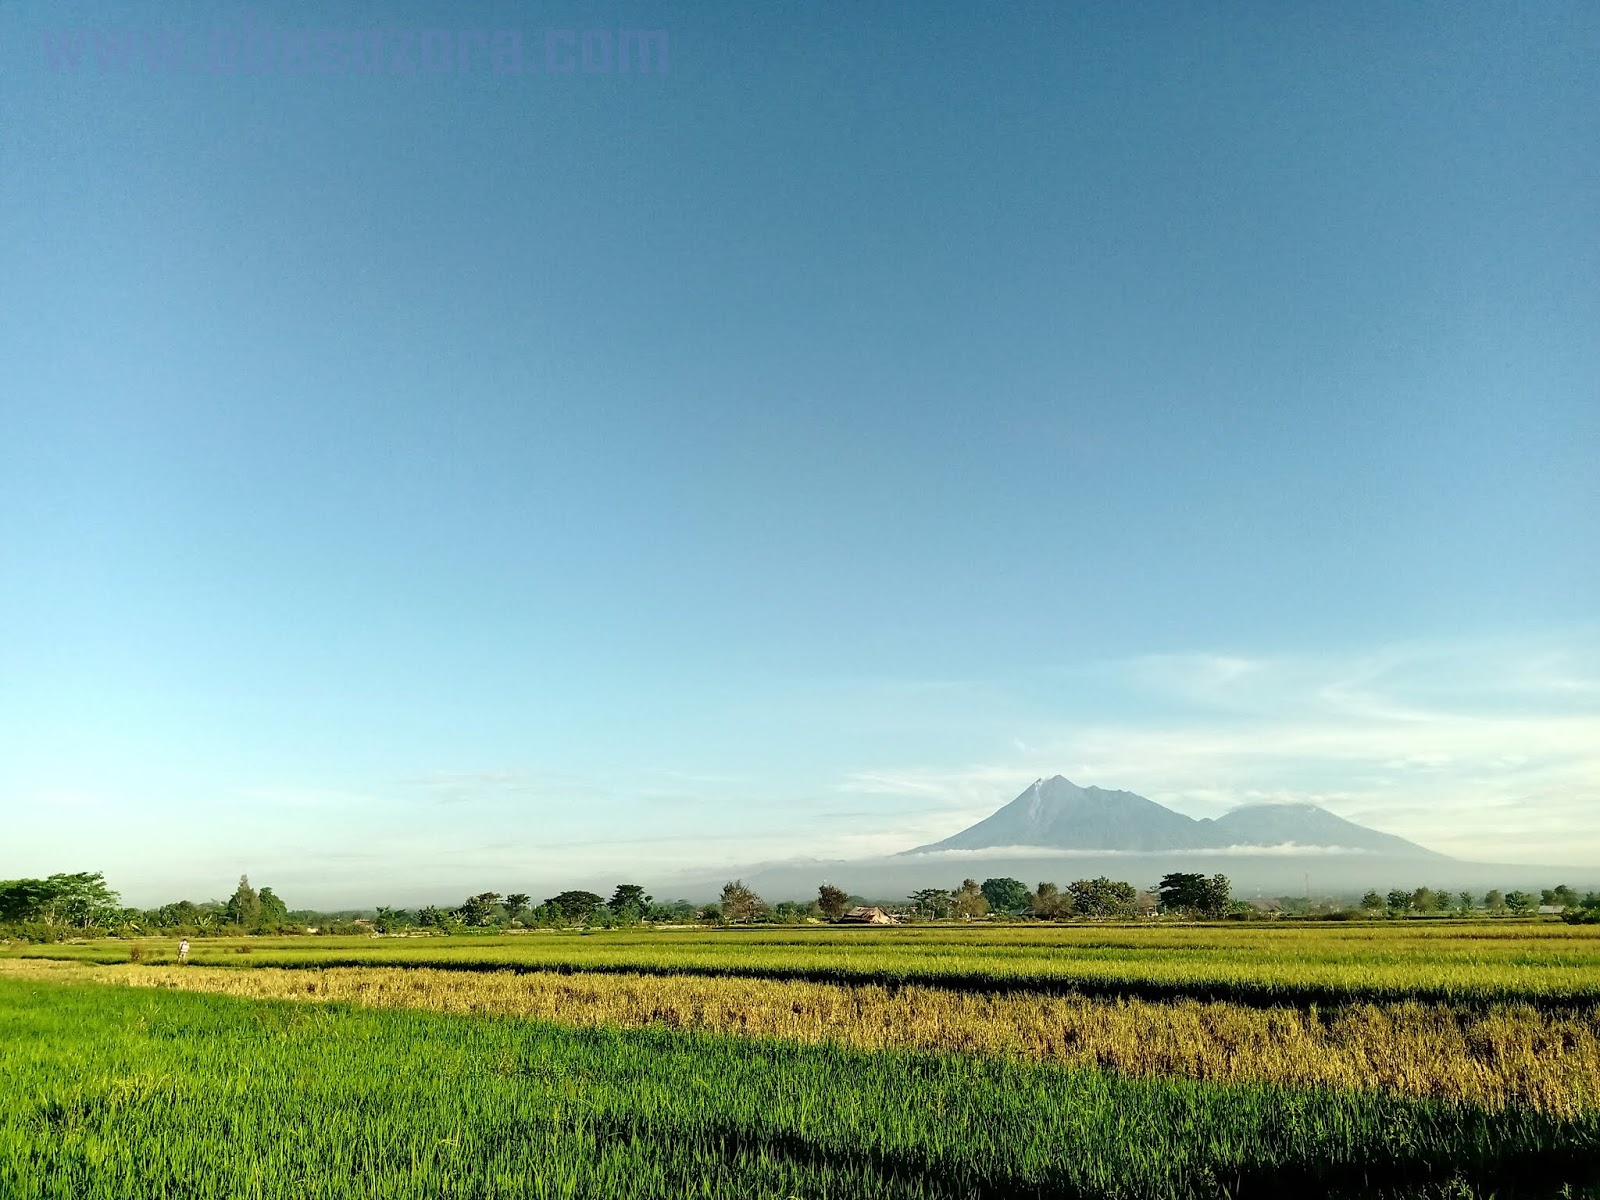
(76, 905)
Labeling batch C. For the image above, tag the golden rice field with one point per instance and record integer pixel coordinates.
(1252, 963)
(942, 1063)
(1503, 1055)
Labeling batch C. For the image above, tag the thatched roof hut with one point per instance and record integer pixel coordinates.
(867, 915)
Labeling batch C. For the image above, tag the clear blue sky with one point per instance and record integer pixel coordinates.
(415, 482)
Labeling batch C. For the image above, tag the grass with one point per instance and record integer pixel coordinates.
(1498, 1056)
(1456, 962)
(130, 1092)
(953, 1061)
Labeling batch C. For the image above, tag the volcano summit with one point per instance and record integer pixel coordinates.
(1057, 814)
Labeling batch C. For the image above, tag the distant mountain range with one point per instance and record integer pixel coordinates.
(1057, 814)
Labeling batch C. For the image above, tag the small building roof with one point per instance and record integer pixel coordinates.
(867, 914)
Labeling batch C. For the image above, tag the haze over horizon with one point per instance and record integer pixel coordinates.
(471, 481)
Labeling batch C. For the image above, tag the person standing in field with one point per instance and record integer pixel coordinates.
(183, 950)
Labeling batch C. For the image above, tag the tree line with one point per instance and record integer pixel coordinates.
(739, 904)
(1424, 901)
(66, 905)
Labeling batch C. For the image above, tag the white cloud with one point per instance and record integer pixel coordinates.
(1482, 751)
(1283, 850)
(1488, 752)
(1208, 677)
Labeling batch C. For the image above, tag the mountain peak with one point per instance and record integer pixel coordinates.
(1301, 824)
(1057, 814)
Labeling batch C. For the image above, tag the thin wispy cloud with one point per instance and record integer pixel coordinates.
(1479, 751)
(1487, 751)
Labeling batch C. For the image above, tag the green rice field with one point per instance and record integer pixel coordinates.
(1458, 961)
(808, 1063)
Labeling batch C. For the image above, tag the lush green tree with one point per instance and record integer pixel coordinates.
(84, 900)
(1219, 895)
(1103, 897)
(272, 912)
(479, 910)
(576, 905)
(545, 915)
(25, 899)
(516, 904)
(244, 906)
(1464, 904)
(970, 901)
(1372, 902)
(81, 900)
(739, 904)
(1181, 891)
(1005, 895)
(629, 897)
(1422, 900)
(934, 902)
(433, 917)
(391, 920)
(677, 912)
(1186, 892)
(1562, 896)
(1398, 902)
(1520, 903)
(1494, 901)
(1048, 902)
(178, 914)
(1585, 912)
(797, 911)
(832, 901)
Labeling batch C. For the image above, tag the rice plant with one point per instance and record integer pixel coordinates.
(1305, 964)
(1505, 1055)
(130, 1092)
